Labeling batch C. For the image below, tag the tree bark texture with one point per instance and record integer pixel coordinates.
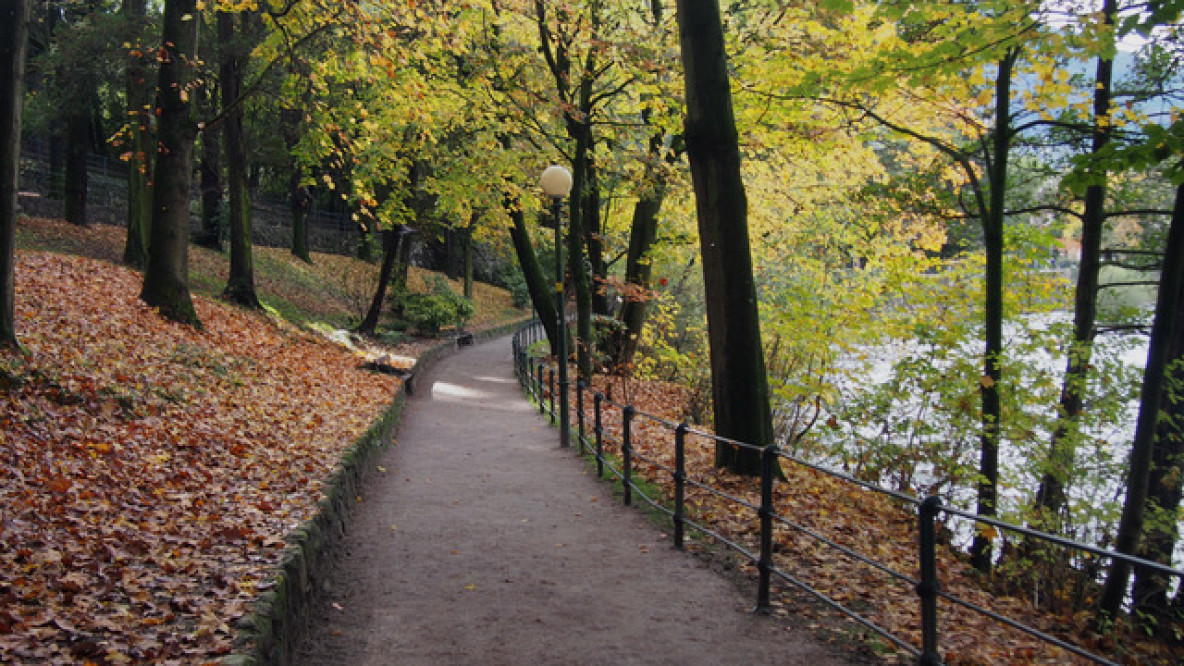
(739, 385)
(643, 233)
(139, 119)
(14, 32)
(240, 286)
(541, 295)
(213, 186)
(391, 240)
(166, 278)
(992, 408)
(77, 178)
(1165, 481)
(1050, 497)
(1164, 337)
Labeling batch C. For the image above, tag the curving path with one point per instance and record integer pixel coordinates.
(479, 541)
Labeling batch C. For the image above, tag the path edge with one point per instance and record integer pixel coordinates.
(269, 633)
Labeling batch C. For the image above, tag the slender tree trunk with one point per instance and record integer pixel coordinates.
(14, 33)
(212, 185)
(541, 295)
(582, 132)
(594, 241)
(139, 119)
(299, 198)
(166, 278)
(642, 235)
(299, 201)
(1169, 309)
(992, 409)
(468, 254)
(391, 240)
(739, 385)
(77, 178)
(1050, 497)
(240, 286)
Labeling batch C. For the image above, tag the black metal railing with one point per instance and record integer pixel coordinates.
(760, 552)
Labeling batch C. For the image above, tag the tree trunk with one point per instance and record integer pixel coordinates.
(541, 295)
(1169, 309)
(166, 278)
(1152, 607)
(594, 242)
(212, 186)
(139, 119)
(299, 198)
(468, 255)
(14, 32)
(739, 385)
(77, 178)
(240, 286)
(391, 240)
(1050, 497)
(643, 233)
(299, 201)
(582, 133)
(992, 409)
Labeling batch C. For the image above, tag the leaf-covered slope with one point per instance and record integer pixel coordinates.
(148, 471)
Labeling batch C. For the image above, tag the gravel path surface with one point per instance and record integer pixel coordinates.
(479, 541)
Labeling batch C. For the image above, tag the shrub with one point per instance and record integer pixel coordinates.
(429, 313)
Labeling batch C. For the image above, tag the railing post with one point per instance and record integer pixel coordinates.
(580, 415)
(539, 395)
(551, 382)
(627, 453)
(928, 585)
(680, 482)
(765, 564)
(597, 398)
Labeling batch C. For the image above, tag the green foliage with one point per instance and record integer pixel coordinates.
(510, 277)
(429, 313)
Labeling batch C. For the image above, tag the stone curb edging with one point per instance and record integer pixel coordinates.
(269, 633)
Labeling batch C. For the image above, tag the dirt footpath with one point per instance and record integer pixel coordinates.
(479, 541)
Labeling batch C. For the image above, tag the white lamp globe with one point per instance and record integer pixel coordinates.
(555, 181)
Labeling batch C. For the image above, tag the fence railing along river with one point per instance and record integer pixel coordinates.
(614, 449)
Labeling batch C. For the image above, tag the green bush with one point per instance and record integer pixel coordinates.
(429, 313)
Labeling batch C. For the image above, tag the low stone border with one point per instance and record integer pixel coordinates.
(269, 634)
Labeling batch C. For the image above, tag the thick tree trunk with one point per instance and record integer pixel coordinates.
(1050, 497)
(1165, 481)
(541, 295)
(139, 119)
(77, 178)
(1164, 338)
(240, 286)
(992, 409)
(14, 32)
(166, 278)
(739, 385)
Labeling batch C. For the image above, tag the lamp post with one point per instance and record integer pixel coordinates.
(556, 184)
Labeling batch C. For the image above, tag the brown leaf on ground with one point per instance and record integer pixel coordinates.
(151, 470)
